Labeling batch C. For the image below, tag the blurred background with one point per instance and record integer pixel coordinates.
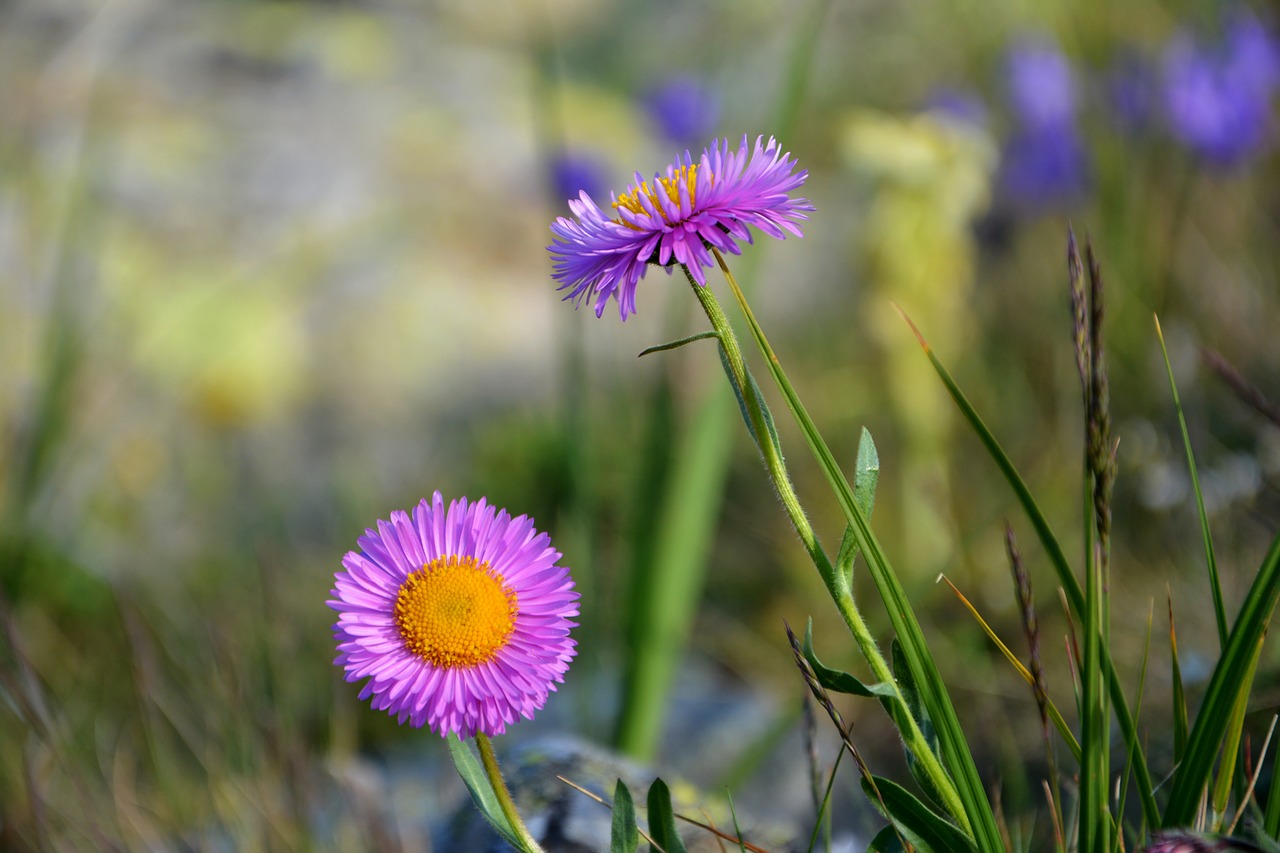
(272, 270)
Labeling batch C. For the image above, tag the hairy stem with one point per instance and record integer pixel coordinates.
(837, 584)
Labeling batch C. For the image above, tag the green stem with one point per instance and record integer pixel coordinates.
(527, 842)
(837, 584)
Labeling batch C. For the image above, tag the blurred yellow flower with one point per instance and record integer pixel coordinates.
(931, 177)
(227, 343)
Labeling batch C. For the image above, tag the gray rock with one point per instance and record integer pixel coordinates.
(565, 820)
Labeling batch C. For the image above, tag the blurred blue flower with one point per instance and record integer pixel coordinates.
(573, 172)
(1217, 98)
(1043, 166)
(1041, 86)
(1132, 92)
(684, 109)
(1044, 161)
(1252, 54)
(958, 105)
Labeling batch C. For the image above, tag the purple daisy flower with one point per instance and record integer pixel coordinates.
(696, 207)
(459, 618)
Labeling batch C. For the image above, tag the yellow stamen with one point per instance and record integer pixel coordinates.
(688, 175)
(453, 612)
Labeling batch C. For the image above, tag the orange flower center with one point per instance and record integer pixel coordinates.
(687, 175)
(453, 612)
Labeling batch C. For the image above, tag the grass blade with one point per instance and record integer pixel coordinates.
(1220, 698)
(666, 586)
(1271, 817)
(1231, 746)
(1058, 560)
(1214, 586)
(1180, 724)
(1054, 714)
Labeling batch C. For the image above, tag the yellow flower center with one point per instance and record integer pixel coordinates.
(687, 175)
(454, 613)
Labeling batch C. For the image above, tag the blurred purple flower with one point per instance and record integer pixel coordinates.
(1253, 56)
(959, 105)
(684, 109)
(1132, 93)
(1044, 166)
(1217, 99)
(1044, 161)
(573, 172)
(1041, 86)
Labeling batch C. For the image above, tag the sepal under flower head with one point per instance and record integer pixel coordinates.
(678, 218)
(458, 617)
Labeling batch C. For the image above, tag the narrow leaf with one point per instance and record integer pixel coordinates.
(1211, 723)
(840, 682)
(700, 336)
(1058, 560)
(920, 826)
(886, 841)
(1214, 586)
(624, 837)
(477, 782)
(907, 684)
(737, 827)
(1054, 714)
(1179, 695)
(1231, 745)
(742, 403)
(866, 477)
(1271, 817)
(662, 821)
(974, 808)
(867, 474)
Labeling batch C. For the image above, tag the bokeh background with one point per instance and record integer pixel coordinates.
(271, 270)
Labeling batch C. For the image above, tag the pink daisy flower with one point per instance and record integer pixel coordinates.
(458, 617)
(678, 218)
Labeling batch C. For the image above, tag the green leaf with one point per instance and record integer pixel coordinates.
(1058, 560)
(886, 841)
(841, 682)
(907, 684)
(477, 782)
(737, 827)
(1231, 745)
(1219, 700)
(919, 825)
(1214, 586)
(625, 835)
(1271, 817)
(742, 403)
(1179, 695)
(1265, 836)
(700, 336)
(866, 477)
(970, 795)
(662, 820)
